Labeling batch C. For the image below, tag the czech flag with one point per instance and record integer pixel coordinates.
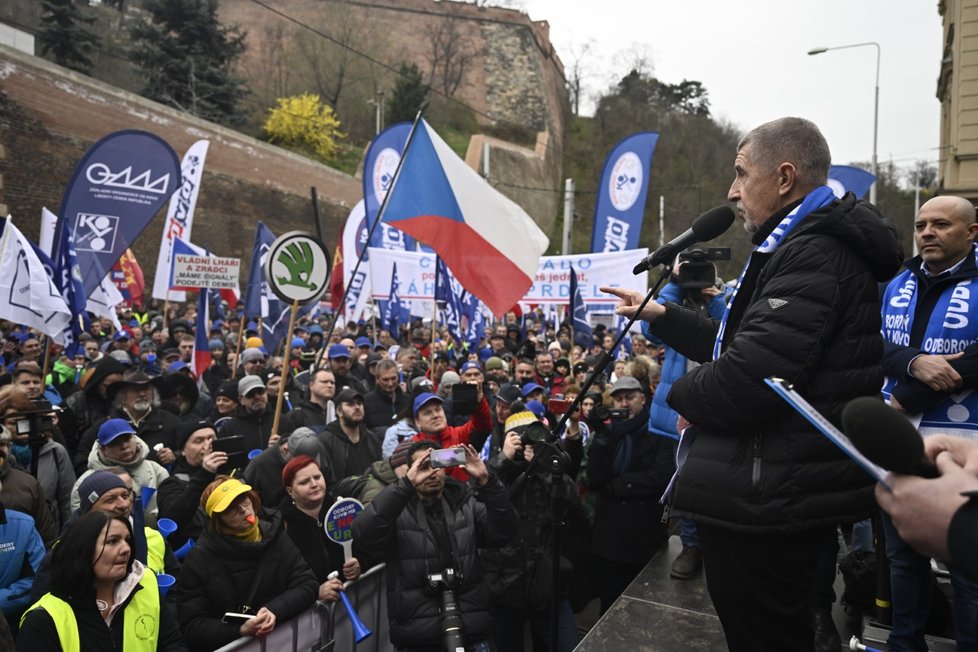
(491, 245)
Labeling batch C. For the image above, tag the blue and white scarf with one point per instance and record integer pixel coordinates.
(952, 327)
(821, 196)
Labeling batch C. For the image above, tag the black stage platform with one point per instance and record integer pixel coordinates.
(659, 614)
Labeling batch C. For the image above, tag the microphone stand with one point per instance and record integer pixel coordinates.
(557, 470)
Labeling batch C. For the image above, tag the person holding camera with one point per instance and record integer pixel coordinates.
(428, 528)
(520, 574)
(628, 468)
(693, 285)
(34, 449)
(432, 424)
(178, 496)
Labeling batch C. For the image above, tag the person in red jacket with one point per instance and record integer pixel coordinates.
(429, 417)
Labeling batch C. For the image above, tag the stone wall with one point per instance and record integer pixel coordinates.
(514, 77)
(49, 116)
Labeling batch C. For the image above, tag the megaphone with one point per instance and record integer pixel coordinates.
(360, 630)
(182, 551)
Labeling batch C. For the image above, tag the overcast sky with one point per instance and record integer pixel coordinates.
(752, 58)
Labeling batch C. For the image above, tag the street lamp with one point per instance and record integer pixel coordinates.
(876, 103)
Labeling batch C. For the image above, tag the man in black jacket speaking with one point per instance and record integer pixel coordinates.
(765, 488)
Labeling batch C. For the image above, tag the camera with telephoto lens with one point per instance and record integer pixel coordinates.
(451, 617)
(533, 433)
(697, 269)
(529, 434)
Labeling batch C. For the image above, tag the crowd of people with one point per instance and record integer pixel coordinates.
(122, 470)
(128, 431)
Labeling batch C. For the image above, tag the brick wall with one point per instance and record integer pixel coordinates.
(49, 116)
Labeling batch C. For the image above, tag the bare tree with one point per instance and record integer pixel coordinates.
(449, 54)
(579, 69)
(329, 65)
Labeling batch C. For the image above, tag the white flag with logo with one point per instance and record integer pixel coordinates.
(354, 240)
(104, 299)
(179, 219)
(27, 294)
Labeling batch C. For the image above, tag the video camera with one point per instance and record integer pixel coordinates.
(34, 422)
(697, 269)
(602, 413)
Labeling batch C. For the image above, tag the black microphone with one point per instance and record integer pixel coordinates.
(711, 224)
(886, 437)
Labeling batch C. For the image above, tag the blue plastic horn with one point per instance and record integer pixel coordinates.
(182, 551)
(166, 526)
(147, 495)
(165, 582)
(254, 453)
(360, 630)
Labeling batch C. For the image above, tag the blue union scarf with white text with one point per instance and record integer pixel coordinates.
(821, 196)
(816, 199)
(952, 328)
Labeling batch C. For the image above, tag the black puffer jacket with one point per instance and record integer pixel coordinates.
(217, 577)
(809, 313)
(628, 468)
(389, 529)
(520, 573)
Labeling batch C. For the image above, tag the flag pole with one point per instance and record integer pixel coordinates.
(166, 311)
(237, 351)
(370, 234)
(285, 366)
(47, 359)
(434, 313)
(431, 348)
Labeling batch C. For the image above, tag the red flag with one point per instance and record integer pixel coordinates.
(336, 281)
(128, 277)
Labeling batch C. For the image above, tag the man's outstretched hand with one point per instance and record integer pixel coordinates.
(629, 301)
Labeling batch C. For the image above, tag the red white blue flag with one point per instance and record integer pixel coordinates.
(202, 352)
(490, 244)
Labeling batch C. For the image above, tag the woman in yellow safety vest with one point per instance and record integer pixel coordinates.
(100, 596)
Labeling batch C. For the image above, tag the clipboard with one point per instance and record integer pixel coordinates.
(836, 436)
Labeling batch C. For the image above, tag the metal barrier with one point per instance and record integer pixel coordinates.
(325, 626)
